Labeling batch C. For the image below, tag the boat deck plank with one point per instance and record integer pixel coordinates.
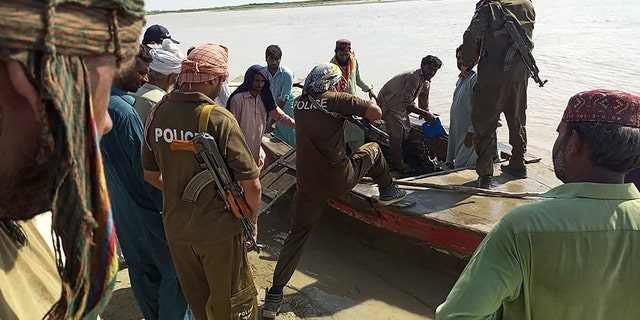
(464, 210)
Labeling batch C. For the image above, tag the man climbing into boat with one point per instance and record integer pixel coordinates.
(323, 168)
(572, 256)
(397, 99)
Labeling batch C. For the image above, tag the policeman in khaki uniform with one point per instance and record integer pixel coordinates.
(502, 82)
(205, 240)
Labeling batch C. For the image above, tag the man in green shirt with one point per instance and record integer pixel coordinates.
(345, 59)
(573, 256)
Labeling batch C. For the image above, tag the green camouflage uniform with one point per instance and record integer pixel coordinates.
(502, 78)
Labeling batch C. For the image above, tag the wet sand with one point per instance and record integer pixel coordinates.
(349, 271)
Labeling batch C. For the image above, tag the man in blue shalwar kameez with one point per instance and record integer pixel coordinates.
(136, 204)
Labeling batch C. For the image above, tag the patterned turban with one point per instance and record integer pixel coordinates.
(167, 59)
(605, 106)
(205, 63)
(50, 40)
(322, 78)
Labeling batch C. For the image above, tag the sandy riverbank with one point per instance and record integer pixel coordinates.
(349, 271)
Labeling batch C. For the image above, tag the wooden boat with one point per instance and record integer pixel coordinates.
(448, 213)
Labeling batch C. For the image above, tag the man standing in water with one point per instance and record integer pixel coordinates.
(323, 168)
(502, 82)
(573, 256)
(345, 58)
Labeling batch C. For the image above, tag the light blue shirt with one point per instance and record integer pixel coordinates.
(280, 85)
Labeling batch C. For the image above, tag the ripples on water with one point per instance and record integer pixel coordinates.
(580, 45)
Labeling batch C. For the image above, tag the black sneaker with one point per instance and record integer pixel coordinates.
(519, 173)
(484, 182)
(272, 304)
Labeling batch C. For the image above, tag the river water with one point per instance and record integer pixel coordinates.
(579, 45)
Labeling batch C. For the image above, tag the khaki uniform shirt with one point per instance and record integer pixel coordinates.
(401, 91)
(321, 159)
(206, 220)
(486, 34)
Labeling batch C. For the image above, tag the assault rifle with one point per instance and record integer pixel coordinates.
(370, 130)
(523, 48)
(208, 156)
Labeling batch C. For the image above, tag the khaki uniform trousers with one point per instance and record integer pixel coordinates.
(488, 102)
(216, 279)
(306, 208)
(398, 127)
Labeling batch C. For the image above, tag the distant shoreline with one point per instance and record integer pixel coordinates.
(273, 5)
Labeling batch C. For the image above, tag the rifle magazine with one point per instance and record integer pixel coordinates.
(195, 186)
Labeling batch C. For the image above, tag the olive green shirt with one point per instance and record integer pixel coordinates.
(205, 220)
(575, 256)
(486, 35)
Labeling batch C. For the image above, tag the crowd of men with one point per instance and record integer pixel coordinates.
(91, 113)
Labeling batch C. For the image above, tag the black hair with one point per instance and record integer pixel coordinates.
(273, 51)
(432, 60)
(144, 54)
(612, 146)
(190, 49)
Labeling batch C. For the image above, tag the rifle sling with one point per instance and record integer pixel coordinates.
(511, 52)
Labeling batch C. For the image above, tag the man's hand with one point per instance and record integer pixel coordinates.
(372, 94)
(270, 126)
(468, 139)
(427, 116)
(255, 234)
(465, 71)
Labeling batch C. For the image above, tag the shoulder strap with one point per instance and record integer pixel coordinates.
(203, 121)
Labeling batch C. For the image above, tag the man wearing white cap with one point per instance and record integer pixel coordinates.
(163, 74)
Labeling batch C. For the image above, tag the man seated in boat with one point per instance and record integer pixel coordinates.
(573, 256)
(324, 170)
(250, 103)
(397, 99)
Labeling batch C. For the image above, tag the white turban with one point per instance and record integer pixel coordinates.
(167, 58)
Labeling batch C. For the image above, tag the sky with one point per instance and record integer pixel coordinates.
(195, 4)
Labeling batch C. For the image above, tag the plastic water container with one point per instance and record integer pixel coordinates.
(433, 130)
